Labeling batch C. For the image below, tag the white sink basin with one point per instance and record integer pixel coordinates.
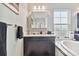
(71, 47)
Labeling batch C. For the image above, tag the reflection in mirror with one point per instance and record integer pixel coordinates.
(37, 21)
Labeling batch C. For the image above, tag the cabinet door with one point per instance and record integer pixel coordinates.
(77, 20)
(39, 46)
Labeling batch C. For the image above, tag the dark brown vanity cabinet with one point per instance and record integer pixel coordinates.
(77, 20)
(39, 46)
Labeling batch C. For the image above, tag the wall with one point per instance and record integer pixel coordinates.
(23, 20)
(14, 46)
(23, 16)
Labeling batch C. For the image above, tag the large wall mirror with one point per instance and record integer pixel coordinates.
(37, 21)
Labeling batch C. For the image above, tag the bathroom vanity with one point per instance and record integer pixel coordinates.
(39, 45)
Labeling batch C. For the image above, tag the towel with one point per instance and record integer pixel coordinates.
(19, 32)
(3, 32)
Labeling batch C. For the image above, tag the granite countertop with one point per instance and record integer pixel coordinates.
(45, 35)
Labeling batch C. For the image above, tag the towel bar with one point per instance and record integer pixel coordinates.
(12, 25)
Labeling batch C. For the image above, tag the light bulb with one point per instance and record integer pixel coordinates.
(43, 7)
(39, 7)
(34, 7)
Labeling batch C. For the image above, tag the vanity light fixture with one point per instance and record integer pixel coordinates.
(39, 7)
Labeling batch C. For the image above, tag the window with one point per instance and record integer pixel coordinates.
(61, 22)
